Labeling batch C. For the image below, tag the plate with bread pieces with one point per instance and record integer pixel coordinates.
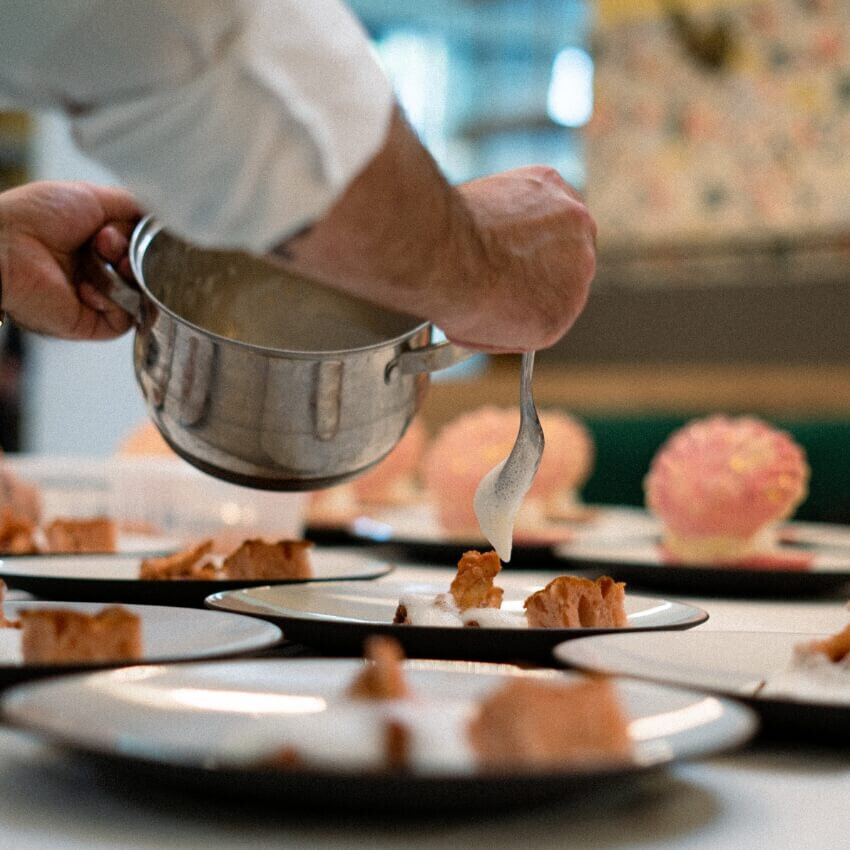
(43, 638)
(474, 612)
(186, 577)
(376, 735)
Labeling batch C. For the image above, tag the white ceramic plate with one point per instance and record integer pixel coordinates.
(336, 617)
(211, 725)
(639, 563)
(110, 578)
(731, 664)
(168, 634)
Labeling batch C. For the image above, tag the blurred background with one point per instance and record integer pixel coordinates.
(710, 138)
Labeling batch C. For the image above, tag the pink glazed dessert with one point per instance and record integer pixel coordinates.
(467, 448)
(392, 482)
(721, 486)
(395, 480)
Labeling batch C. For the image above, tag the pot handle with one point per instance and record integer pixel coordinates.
(105, 278)
(429, 358)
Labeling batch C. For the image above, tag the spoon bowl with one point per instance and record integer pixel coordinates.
(500, 493)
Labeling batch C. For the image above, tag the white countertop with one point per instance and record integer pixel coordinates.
(766, 796)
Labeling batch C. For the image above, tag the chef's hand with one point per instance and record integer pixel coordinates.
(530, 276)
(44, 227)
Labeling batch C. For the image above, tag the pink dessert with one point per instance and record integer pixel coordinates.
(394, 481)
(566, 466)
(471, 445)
(720, 486)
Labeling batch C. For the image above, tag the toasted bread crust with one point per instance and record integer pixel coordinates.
(531, 723)
(383, 677)
(573, 602)
(257, 559)
(5, 623)
(94, 534)
(62, 635)
(17, 533)
(188, 564)
(835, 647)
(473, 586)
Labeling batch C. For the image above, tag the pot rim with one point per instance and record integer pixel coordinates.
(144, 234)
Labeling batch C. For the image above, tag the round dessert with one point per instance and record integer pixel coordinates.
(394, 480)
(721, 485)
(566, 465)
(467, 448)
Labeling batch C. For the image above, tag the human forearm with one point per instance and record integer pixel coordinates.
(502, 263)
(388, 237)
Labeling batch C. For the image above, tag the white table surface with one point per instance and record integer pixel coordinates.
(766, 796)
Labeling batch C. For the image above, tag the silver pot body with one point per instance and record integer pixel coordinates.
(264, 378)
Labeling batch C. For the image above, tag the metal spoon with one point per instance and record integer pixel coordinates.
(501, 491)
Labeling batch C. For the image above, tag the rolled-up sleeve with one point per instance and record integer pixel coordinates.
(236, 123)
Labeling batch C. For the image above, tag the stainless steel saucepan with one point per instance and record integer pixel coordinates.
(264, 378)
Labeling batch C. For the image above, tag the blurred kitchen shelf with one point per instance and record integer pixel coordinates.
(761, 258)
(636, 388)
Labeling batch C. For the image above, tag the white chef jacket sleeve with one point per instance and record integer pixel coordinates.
(237, 123)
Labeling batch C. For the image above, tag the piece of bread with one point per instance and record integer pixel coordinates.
(62, 635)
(21, 497)
(473, 587)
(542, 725)
(17, 533)
(570, 602)
(192, 564)
(836, 647)
(91, 535)
(383, 675)
(5, 623)
(258, 559)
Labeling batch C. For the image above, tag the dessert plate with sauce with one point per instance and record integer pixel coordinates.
(336, 617)
(168, 634)
(416, 531)
(215, 728)
(724, 663)
(116, 579)
(800, 569)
